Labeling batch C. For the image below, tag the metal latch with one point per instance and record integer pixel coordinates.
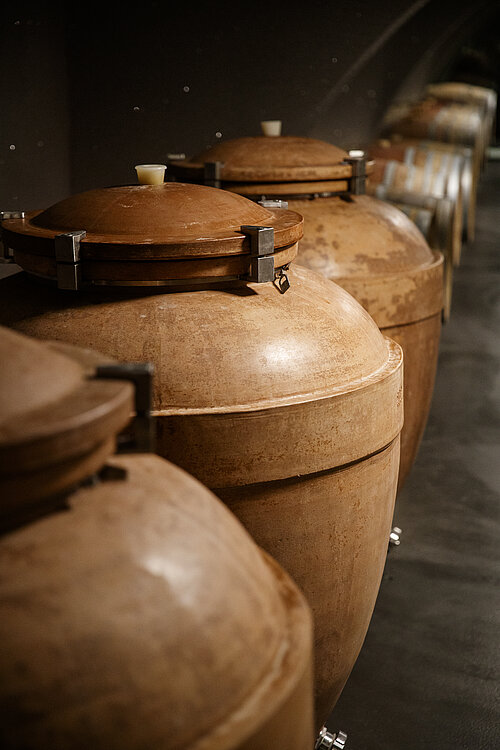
(326, 740)
(7, 253)
(357, 181)
(141, 375)
(270, 203)
(67, 249)
(261, 253)
(395, 537)
(212, 173)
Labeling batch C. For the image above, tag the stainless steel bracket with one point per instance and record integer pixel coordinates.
(212, 173)
(261, 253)
(271, 203)
(326, 740)
(395, 537)
(141, 375)
(67, 250)
(7, 254)
(357, 181)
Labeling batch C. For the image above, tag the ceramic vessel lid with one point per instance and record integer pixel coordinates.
(54, 413)
(127, 226)
(171, 220)
(271, 159)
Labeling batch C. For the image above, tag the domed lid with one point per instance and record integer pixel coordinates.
(111, 229)
(269, 158)
(362, 237)
(370, 241)
(273, 159)
(56, 420)
(146, 616)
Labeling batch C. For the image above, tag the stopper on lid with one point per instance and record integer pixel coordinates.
(271, 127)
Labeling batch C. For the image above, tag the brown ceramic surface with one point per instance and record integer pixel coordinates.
(420, 344)
(151, 222)
(367, 246)
(56, 423)
(274, 159)
(379, 256)
(339, 521)
(144, 616)
(252, 388)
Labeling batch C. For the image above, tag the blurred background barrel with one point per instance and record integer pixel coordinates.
(453, 164)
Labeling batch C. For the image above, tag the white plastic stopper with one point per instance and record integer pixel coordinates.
(271, 127)
(151, 174)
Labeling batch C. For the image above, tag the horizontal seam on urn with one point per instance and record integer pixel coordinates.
(390, 366)
(309, 475)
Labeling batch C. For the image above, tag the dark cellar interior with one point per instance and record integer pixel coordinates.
(92, 89)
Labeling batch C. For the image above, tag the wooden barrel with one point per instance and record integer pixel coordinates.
(359, 242)
(394, 178)
(455, 163)
(441, 121)
(480, 96)
(135, 610)
(280, 393)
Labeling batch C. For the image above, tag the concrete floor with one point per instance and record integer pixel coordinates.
(428, 675)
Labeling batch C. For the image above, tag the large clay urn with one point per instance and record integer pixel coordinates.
(286, 402)
(364, 244)
(136, 612)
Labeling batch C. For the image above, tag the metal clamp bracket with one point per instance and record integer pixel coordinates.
(326, 740)
(67, 249)
(271, 203)
(141, 375)
(261, 253)
(212, 173)
(7, 254)
(395, 537)
(357, 181)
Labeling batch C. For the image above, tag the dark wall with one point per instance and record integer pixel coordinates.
(106, 86)
(35, 162)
